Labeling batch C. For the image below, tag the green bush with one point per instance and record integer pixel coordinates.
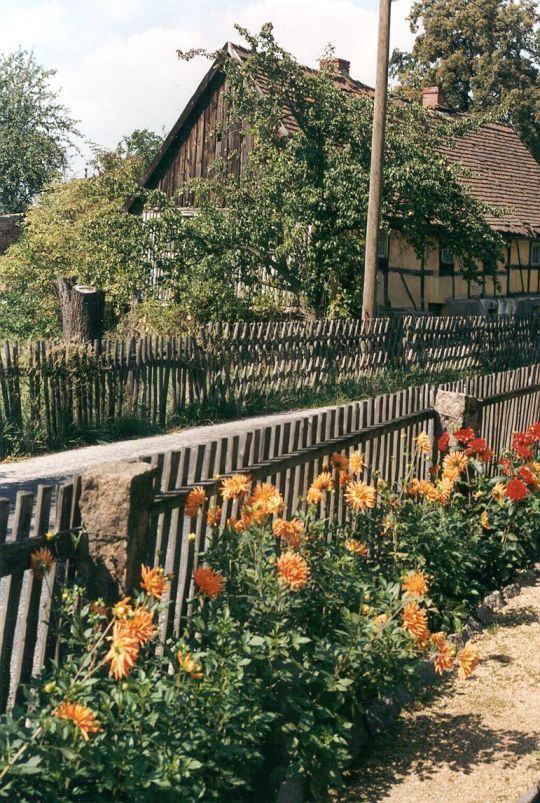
(298, 626)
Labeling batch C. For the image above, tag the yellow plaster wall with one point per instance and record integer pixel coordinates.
(439, 289)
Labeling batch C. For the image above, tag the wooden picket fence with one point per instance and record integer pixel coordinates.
(288, 453)
(53, 387)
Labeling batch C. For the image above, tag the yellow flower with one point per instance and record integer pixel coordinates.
(468, 661)
(153, 581)
(323, 482)
(81, 716)
(290, 530)
(423, 443)
(484, 520)
(50, 535)
(360, 496)
(192, 537)
(444, 488)
(314, 495)
(293, 570)
(356, 463)
(457, 461)
(124, 651)
(189, 665)
(195, 499)
(356, 546)
(41, 562)
(498, 491)
(236, 487)
(415, 584)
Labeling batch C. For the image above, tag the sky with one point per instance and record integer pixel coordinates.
(116, 64)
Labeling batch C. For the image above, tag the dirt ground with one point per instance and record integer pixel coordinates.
(474, 741)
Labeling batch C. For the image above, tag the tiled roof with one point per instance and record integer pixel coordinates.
(503, 172)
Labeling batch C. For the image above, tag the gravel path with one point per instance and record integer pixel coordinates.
(476, 741)
(50, 469)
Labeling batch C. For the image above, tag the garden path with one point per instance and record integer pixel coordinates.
(51, 469)
(474, 741)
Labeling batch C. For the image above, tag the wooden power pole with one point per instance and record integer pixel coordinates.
(377, 158)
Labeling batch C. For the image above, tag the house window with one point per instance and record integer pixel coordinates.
(446, 261)
(383, 245)
(535, 254)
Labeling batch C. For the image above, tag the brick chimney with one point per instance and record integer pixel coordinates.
(341, 66)
(433, 98)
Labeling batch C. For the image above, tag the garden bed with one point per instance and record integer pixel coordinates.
(300, 630)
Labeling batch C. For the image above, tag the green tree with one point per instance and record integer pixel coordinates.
(141, 144)
(36, 131)
(485, 55)
(76, 228)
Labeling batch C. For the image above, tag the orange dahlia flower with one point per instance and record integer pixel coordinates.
(81, 716)
(468, 661)
(213, 517)
(415, 621)
(314, 495)
(140, 625)
(292, 530)
(153, 581)
(236, 487)
(195, 499)
(415, 584)
(208, 581)
(265, 500)
(455, 462)
(293, 570)
(444, 659)
(339, 461)
(498, 491)
(360, 496)
(41, 562)
(484, 520)
(123, 652)
(344, 478)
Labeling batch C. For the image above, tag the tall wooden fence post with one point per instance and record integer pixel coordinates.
(457, 410)
(115, 510)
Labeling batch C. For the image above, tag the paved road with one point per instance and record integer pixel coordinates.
(50, 469)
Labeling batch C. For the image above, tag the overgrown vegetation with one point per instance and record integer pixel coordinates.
(298, 626)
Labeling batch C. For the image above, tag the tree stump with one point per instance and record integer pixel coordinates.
(82, 307)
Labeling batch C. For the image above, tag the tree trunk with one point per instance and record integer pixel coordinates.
(82, 308)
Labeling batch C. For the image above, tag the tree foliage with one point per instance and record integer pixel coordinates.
(77, 228)
(485, 55)
(36, 131)
(297, 214)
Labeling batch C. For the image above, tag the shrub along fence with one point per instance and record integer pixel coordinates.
(134, 512)
(54, 387)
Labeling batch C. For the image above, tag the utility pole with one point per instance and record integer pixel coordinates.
(377, 158)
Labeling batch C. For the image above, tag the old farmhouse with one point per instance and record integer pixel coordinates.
(503, 173)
